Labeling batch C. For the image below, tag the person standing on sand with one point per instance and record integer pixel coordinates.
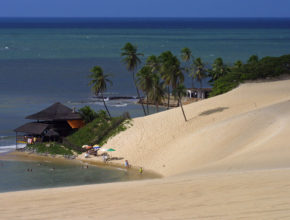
(141, 170)
(126, 164)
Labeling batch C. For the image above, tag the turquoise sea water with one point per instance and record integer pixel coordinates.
(43, 61)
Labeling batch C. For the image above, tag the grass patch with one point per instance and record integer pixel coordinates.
(96, 132)
(50, 148)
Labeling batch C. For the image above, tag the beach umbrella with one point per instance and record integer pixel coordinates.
(107, 149)
(96, 146)
(86, 147)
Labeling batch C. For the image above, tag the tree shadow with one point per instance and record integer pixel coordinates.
(212, 111)
(116, 158)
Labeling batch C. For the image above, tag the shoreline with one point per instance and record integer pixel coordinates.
(28, 156)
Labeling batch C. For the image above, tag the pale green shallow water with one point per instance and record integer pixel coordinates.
(14, 175)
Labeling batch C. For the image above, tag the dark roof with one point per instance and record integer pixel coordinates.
(51, 133)
(57, 111)
(32, 128)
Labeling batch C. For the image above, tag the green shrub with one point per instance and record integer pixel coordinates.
(87, 114)
(267, 67)
(96, 132)
(50, 148)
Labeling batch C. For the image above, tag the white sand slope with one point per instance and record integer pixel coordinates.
(230, 160)
(244, 129)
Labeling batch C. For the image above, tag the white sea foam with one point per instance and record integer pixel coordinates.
(119, 105)
(6, 149)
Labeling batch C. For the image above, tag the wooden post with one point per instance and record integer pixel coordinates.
(16, 141)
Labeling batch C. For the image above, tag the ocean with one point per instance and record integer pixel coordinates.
(47, 60)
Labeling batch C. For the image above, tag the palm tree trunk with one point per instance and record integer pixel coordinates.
(147, 105)
(200, 89)
(138, 93)
(192, 82)
(182, 109)
(168, 99)
(106, 105)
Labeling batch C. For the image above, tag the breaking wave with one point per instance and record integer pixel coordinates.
(9, 148)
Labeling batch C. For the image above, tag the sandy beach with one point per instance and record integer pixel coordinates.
(231, 160)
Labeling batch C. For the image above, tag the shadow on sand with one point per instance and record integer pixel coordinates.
(212, 111)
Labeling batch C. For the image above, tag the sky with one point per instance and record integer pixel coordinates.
(144, 8)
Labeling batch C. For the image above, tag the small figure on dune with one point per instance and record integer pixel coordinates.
(141, 170)
(127, 164)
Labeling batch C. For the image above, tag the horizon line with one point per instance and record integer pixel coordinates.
(91, 17)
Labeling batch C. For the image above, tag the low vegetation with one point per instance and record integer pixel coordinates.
(50, 148)
(88, 114)
(96, 132)
(254, 69)
(100, 128)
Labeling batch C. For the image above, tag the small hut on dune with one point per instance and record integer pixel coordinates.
(52, 123)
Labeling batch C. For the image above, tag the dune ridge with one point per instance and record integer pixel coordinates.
(216, 129)
(230, 160)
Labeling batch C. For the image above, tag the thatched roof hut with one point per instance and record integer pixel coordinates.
(54, 112)
(57, 120)
(32, 128)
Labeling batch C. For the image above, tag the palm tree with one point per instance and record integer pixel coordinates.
(170, 72)
(186, 56)
(153, 62)
(145, 81)
(99, 82)
(200, 71)
(157, 92)
(218, 70)
(238, 64)
(132, 60)
(179, 92)
(254, 59)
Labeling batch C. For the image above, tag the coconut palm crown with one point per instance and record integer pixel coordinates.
(145, 81)
(132, 60)
(99, 82)
(170, 71)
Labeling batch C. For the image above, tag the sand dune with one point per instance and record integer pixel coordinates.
(230, 160)
(219, 129)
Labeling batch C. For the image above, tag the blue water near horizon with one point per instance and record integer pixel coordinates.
(45, 60)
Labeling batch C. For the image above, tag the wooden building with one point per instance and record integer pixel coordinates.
(200, 93)
(52, 123)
